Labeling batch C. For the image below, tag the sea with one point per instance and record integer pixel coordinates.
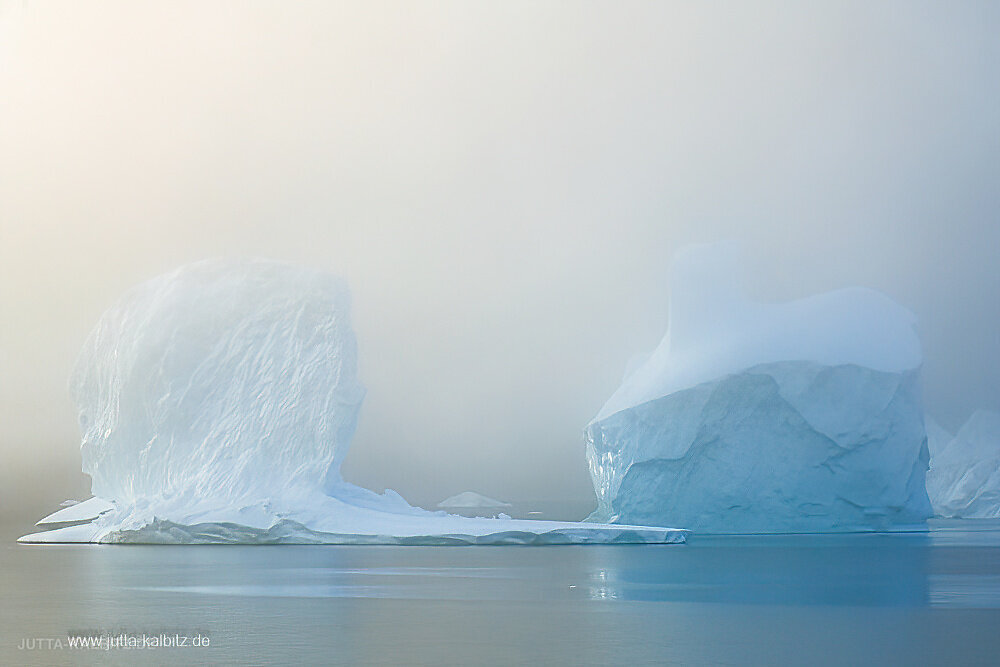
(919, 598)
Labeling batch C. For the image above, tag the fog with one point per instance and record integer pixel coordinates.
(502, 185)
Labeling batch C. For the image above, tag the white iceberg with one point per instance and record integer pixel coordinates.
(471, 500)
(217, 403)
(755, 417)
(964, 479)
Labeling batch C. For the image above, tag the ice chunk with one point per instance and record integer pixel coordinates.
(470, 500)
(964, 479)
(217, 403)
(750, 417)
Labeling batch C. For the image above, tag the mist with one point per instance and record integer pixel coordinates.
(502, 186)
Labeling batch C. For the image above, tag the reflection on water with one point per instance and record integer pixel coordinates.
(919, 598)
(964, 590)
(859, 570)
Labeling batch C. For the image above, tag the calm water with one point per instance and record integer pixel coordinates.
(822, 599)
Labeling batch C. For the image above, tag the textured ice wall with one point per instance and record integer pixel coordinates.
(224, 380)
(787, 446)
(797, 416)
(964, 479)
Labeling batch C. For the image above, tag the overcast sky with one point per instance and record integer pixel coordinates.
(502, 185)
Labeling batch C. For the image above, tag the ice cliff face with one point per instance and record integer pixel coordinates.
(750, 417)
(964, 479)
(785, 446)
(221, 380)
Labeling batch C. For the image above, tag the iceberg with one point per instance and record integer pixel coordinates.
(216, 404)
(471, 500)
(802, 416)
(964, 478)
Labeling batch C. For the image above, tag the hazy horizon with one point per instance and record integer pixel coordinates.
(502, 186)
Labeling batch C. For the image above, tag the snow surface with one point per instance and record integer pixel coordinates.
(964, 479)
(715, 331)
(750, 417)
(216, 404)
(471, 499)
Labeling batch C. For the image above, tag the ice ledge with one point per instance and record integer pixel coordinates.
(508, 532)
(88, 510)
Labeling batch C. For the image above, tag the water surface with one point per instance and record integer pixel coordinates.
(931, 598)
